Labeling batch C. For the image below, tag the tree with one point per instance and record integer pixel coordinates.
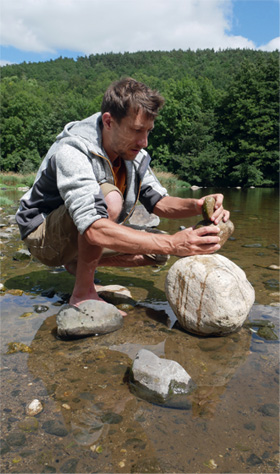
(248, 124)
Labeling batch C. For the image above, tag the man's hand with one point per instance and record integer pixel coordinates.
(220, 213)
(195, 241)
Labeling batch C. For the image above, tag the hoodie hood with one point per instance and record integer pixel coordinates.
(88, 131)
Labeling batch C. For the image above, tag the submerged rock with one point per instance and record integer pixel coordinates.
(209, 294)
(90, 318)
(14, 347)
(29, 424)
(54, 427)
(161, 377)
(34, 408)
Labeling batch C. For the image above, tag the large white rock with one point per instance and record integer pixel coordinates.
(209, 294)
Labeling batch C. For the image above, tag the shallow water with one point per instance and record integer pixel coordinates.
(91, 422)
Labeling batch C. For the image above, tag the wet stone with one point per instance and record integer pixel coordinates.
(39, 308)
(160, 379)
(90, 318)
(111, 418)
(269, 409)
(14, 347)
(254, 460)
(267, 333)
(272, 284)
(55, 428)
(4, 447)
(49, 293)
(268, 426)
(69, 466)
(16, 439)
(250, 426)
(146, 466)
(135, 443)
(25, 454)
(22, 254)
(87, 396)
(29, 424)
(252, 246)
(48, 470)
(209, 345)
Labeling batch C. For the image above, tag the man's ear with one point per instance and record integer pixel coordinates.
(107, 120)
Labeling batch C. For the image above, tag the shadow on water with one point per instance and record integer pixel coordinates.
(62, 282)
(91, 421)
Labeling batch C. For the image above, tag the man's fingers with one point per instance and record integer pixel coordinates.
(207, 230)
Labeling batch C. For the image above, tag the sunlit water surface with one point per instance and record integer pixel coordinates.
(91, 422)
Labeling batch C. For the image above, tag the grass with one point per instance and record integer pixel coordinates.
(16, 180)
(170, 180)
(5, 201)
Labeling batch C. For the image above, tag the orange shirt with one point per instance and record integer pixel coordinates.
(119, 170)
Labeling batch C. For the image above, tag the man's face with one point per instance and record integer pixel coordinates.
(126, 138)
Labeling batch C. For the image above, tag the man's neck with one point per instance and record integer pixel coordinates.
(106, 146)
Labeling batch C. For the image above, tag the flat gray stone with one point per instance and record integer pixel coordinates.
(162, 376)
(90, 318)
(143, 218)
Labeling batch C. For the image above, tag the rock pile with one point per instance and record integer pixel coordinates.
(226, 228)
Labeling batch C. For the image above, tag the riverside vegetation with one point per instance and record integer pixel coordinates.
(219, 125)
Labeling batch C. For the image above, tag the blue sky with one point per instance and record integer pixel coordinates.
(257, 20)
(46, 29)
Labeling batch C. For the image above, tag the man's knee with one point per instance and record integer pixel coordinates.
(114, 201)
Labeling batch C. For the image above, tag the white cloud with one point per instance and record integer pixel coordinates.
(272, 45)
(94, 26)
(3, 62)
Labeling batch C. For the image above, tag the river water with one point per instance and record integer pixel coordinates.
(91, 422)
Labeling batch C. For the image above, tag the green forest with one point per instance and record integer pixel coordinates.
(219, 125)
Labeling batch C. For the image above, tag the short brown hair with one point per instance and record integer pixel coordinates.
(126, 94)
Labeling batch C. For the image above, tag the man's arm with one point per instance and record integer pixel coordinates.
(178, 208)
(105, 233)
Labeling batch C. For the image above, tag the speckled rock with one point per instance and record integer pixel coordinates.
(209, 294)
(90, 318)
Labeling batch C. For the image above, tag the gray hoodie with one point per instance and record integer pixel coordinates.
(71, 174)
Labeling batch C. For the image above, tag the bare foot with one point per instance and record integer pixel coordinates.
(74, 301)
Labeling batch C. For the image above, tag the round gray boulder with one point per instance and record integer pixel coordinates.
(90, 318)
(209, 294)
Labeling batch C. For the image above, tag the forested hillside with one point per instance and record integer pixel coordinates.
(219, 125)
